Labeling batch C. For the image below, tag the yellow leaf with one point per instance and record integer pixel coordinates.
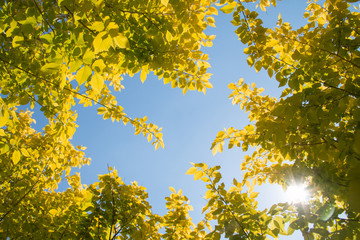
(209, 194)
(17, 41)
(232, 189)
(4, 116)
(211, 21)
(250, 129)
(208, 85)
(254, 194)
(83, 75)
(164, 2)
(191, 171)
(149, 137)
(121, 41)
(227, 9)
(143, 75)
(98, 65)
(25, 152)
(172, 189)
(88, 56)
(157, 145)
(16, 157)
(97, 82)
(198, 175)
(53, 212)
(321, 21)
(102, 42)
(98, 26)
(213, 11)
(168, 36)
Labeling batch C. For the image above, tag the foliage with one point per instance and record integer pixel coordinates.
(56, 55)
(59, 54)
(310, 134)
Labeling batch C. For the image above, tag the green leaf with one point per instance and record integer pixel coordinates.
(326, 211)
(218, 211)
(24, 99)
(83, 75)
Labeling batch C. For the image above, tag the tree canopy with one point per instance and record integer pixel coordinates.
(59, 54)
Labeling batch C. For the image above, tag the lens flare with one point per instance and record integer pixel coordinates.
(297, 193)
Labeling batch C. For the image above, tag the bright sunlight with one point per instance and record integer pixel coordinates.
(297, 193)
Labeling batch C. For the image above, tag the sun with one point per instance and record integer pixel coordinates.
(297, 193)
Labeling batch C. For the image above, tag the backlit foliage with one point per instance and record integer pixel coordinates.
(311, 133)
(55, 55)
(58, 54)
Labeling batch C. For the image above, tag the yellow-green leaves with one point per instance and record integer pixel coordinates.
(298, 137)
(98, 26)
(4, 115)
(118, 39)
(17, 41)
(102, 42)
(98, 66)
(50, 68)
(83, 75)
(55, 56)
(88, 57)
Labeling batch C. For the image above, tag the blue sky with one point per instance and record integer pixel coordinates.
(190, 123)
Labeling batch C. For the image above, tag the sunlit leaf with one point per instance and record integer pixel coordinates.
(83, 75)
